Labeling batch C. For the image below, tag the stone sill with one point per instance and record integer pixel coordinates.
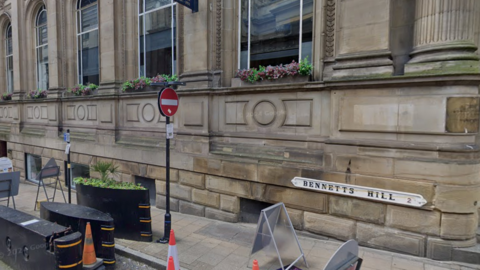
(464, 148)
(259, 157)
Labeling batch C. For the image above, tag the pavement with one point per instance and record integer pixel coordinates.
(205, 244)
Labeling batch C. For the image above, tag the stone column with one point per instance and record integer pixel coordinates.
(444, 37)
(55, 49)
(19, 46)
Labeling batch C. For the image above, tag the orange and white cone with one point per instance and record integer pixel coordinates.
(89, 257)
(171, 264)
(255, 265)
(172, 251)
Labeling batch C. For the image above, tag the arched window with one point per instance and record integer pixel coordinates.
(9, 58)
(42, 49)
(157, 42)
(273, 32)
(87, 35)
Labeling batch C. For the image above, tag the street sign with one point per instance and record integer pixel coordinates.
(66, 137)
(167, 102)
(191, 4)
(369, 193)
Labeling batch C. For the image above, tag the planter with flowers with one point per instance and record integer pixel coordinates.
(127, 203)
(142, 84)
(7, 96)
(82, 90)
(37, 94)
(290, 73)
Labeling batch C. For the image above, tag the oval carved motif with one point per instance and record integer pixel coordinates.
(81, 112)
(264, 112)
(148, 112)
(36, 112)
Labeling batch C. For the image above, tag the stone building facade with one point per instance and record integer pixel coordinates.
(393, 103)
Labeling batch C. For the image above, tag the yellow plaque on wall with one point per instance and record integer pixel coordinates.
(462, 114)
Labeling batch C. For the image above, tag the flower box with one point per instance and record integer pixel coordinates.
(237, 82)
(280, 74)
(130, 209)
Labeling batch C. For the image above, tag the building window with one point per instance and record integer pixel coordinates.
(33, 167)
(9, 58)
(87, 35)
(42, 49)
(157, 41)
(273, 32)
(78, 170)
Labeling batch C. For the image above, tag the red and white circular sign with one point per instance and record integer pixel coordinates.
(168, 102)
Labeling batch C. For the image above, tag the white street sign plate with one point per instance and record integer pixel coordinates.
(376, 194)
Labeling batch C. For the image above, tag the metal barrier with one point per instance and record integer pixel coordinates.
(9, 182)
(76, 217)
(30, 243)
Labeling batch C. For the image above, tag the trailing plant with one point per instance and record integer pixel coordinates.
(83, 90)
(105, 169)
(304, 68)
(37, 94)
(107, 183)
(142, 82)
(137, 84)
(7, 96)
(164, 78)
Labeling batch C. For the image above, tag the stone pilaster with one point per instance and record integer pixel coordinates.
(364, 47)
(19, 46)
(55, 49)
(111, 46)
(444, 37)
(198, 44)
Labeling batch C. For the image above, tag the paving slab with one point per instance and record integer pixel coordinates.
(210, 244)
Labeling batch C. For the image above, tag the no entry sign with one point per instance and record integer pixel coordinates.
(168, 102)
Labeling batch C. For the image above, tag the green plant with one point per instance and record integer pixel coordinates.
(107, 183)
(105, 169)
(7, 96)
(83, 90)
(305, 67)
(137, 84)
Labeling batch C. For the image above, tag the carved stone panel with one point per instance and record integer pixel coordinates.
(462, 114)
(235, 112)
(8, 113)
(285, 114)
(392, 114)
(299, 113)
(193, 114)
(142, 113)
(39, 113)
(88, 112)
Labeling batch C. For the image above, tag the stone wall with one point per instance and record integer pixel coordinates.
(392, 105)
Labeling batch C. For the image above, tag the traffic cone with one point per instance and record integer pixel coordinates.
(172, 251)
(171, 264)
(255, 265)
(88, 248)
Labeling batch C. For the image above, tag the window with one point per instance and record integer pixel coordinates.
(157, 40)
(42, 49)
(77, 170)
(9, 58)
(87, 38)
(34, 166)
(273, 32)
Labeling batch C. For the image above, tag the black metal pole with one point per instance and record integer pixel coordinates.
(69, 182)
(168, 217)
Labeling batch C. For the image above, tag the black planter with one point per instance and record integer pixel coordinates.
(130, 209)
